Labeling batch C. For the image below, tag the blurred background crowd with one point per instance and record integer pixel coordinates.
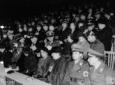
(34, 43)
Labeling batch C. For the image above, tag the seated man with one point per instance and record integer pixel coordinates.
(58, 66)
(100, 74)
(43, 64)
(77, 70)
(96, 44)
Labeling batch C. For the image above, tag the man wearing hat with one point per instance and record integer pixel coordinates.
(100, 74)
(86, 47)
(77, 71)
(96, 46)
(104, 34)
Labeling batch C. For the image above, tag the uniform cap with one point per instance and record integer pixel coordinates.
(85, 48)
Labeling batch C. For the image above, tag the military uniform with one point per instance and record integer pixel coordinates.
(77, 74)
(102, 76)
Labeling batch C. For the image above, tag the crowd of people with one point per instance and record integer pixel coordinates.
(64, 47)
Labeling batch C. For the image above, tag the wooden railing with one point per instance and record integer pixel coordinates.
(21, 79)
(2, 75)
(110, 56)
(17, 78)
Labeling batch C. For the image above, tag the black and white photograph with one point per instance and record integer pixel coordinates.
(57, 42)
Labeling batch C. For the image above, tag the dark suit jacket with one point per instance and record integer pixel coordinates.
(57, 74)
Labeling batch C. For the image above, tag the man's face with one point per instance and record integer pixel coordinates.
(69, 39)
(101, 26)
(38, 54)
(55, 56)
(92, 60)
(76, 19)
(72, 26)
(33, 23)
(22, 40)
(2, 50)
(82, 17)
(91, 27)
(26, 54)
(30, 30)
(51, 28)
(38, 28)
(53, 21)
(15, 44)
(20, 30)
(91, 38)
(10, 37)
(45, 28)
(80, 25)
(97, 16)
(4, 36)
(44, 54)
(90, 10)
(50, 38)
(34, 40)
(64, 25)
(25, 27)
(82, 39)
(77, 55)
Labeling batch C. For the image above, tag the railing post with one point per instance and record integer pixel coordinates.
(113, 44)
(2, 75)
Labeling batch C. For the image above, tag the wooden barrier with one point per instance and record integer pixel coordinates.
(21, 79)
(2, 75)
(17, 78)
